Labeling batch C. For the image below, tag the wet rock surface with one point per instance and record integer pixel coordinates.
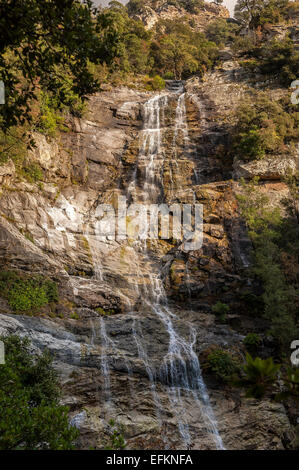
(243, 423)
(114, 356)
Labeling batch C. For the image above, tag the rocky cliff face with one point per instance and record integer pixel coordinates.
(152, 12)
(134, 316)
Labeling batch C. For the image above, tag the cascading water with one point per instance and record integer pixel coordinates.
(150, 158)
(180, 132)
(181, 120)
(179, 373)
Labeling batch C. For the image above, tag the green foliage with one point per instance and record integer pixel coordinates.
(124, 41)
(105, 312)
(51, 290)
(174, 48)
(39, 45)
(254, 303)
(222, 365)
(242, 45)
(260, 375)
(252, 342)
(254, 13)
(157, 83)
(51, 118)
(180, 50)
(14, 145)
(278, 58)
(178, 55)
(32, 172)
(27, 294)
(220, 310)
(250, 144)
(135, 6)
(117, 441)
(263, 127)
(192, 6)
(291, 384)
(168, 75)
(265, 227)
(53, 110)
(30, 415)
(221, 32)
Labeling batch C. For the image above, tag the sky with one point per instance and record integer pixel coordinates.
(230, 4)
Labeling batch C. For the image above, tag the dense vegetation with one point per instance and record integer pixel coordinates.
(25, 294)
(30, 415)
(276, 57)
(39, 50)
(255, 13)
(47, 75)
(174, 50)
(265, 127)
(275, 240)
(40, 59)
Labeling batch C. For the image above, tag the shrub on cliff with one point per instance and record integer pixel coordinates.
(263, 127)
(116, 436)
(27, 294)
(52, 110)
(32, 172)
(192, 6)
(259, 376)
(157, 83)
(221, 364)
(220, 310)
(252, 342)
(30, 415)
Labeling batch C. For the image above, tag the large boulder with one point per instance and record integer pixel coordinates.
(272, 168)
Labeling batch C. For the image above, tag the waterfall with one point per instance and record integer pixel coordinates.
(180, 120)
(106, 365)
(180, 127)
(179, 373)
(96, 260)
(150, 371)
(150, 158)
(105, 369)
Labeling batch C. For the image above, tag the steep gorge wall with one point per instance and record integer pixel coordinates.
(50, 230)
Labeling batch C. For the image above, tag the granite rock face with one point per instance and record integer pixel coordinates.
(111, 352)
(267, 168)
(152, 12)
(243, 423)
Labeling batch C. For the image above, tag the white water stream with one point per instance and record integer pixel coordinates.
(179, 372)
